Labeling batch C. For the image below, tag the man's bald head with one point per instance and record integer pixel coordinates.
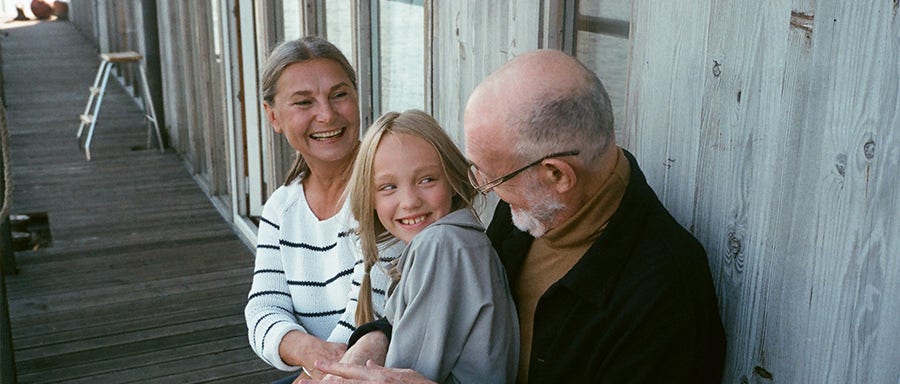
(541, 101)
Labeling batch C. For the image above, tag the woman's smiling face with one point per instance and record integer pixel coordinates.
(317, 110)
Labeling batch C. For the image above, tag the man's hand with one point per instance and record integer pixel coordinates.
(371, 373)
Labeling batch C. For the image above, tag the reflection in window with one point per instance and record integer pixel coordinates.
(292, 19)
(339, 26)
(401, 49)
(602, 45)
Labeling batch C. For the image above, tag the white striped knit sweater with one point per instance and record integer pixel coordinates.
(302, 279)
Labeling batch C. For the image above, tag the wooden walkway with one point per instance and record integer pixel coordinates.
(143, 281)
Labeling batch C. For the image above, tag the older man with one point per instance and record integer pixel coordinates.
(608, 286)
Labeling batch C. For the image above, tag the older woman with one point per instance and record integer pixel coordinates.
(300, 307)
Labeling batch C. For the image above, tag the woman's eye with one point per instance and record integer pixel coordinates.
(303, 103)
(339, 95)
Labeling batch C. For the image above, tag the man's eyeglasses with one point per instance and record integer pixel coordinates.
(477, 178)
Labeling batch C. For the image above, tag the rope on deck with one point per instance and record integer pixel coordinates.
(4, 148)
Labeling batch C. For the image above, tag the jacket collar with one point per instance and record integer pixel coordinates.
(594, 275)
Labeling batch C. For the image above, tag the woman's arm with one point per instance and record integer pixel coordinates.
(273, 330)
(269, 309)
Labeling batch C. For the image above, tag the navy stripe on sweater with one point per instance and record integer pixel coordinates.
(376, 290)
(340, 274)
(320, 314)
(267, 293)
(268, 271)
(307, 246)
(347, 325)
(263, 343)
(264, 220)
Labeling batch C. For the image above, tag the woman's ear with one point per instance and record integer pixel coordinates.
(270, 114)
(559, 174)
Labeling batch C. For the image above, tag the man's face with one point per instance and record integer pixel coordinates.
(539, 210)
(534, 205)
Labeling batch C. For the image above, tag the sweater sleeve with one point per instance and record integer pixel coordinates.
(380, 281)
(269, 310)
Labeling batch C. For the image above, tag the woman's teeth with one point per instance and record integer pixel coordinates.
(327, 135)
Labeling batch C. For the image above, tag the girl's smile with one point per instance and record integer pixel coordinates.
(411, 189)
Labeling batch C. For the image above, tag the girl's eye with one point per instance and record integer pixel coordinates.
(387, 187)
(426, 180)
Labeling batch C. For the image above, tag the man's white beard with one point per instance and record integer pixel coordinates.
(544, 209)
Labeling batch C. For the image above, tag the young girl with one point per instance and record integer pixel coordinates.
(452, 314)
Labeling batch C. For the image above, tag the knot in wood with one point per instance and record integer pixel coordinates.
(762, 372)
(840, 163)
(735, 249)
(869, 149)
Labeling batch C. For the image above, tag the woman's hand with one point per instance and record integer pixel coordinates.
(302, 349)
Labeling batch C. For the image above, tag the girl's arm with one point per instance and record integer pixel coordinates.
(449, 311)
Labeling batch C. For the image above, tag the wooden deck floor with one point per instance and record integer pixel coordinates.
(144, 281)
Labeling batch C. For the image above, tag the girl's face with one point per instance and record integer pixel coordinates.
(411, 189)
(317, 111)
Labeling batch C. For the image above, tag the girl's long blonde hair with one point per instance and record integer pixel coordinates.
(362, 191)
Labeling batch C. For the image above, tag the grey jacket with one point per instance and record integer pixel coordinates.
(452, 312)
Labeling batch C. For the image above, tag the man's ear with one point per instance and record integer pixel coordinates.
(559, 174)
(270, 114)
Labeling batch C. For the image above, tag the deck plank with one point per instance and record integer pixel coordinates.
(143, 280)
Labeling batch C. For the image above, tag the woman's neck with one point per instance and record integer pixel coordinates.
(324, 187)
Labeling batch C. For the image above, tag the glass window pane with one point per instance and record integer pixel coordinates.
(602, 45)
(292, 21)
(608, 57)
(339, 26)
(402, 54)
(615, 9)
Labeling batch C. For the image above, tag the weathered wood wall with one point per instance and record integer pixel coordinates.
(193, 92)
(770, 130)
(472, 39)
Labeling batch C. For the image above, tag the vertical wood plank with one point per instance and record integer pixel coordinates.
(850, 152)
(471, 40)
(795, 131)
(188, 127)
(669, 60)
(218, 169)
(168, 54)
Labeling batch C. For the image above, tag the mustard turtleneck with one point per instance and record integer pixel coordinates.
(551, 256)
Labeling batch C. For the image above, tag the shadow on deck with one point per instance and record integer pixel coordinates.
(143, 280)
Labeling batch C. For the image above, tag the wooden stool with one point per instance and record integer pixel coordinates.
(92, 109)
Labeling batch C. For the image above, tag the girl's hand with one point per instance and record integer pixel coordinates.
(340, 373)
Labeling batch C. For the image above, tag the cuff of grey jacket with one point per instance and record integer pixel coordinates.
(381, 324)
